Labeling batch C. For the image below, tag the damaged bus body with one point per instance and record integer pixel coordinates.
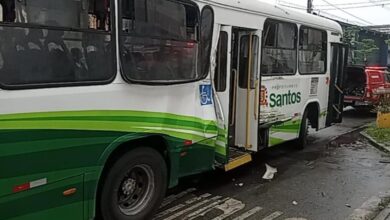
(105, 104)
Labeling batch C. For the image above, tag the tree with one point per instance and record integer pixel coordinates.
(361, 50)
(388, 42)
(365, 49)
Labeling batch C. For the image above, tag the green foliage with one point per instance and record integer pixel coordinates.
(364, 49)
(384, 105)
(380, 135)
(361, 49)
(350, 35)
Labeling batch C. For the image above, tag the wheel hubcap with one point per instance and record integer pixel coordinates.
(129, 186)
(136, 189)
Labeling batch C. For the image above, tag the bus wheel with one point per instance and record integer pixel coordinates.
(135, 186)
(301, 142)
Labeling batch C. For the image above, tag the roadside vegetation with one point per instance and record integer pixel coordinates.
(382, 135)
(381, 131)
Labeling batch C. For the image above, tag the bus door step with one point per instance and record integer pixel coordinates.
(237, 159)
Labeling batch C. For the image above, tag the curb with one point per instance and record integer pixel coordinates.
(385, 214)
(372, 141)
(348, 132)
(371, 208)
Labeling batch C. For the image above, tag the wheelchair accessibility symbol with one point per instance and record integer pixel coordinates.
(206, 95)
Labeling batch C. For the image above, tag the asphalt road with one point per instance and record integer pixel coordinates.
(327, 180)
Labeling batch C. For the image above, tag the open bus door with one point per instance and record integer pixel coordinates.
(223, 78)
(238, 96)
(247, 89)
(339, 59)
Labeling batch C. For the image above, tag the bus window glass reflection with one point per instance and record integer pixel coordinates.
(279, 48)
(160, 41)
(312, 51)
(38, 32)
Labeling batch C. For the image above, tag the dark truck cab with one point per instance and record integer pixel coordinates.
(362, 85)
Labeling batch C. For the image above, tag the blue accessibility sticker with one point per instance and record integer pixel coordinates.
(206, 95)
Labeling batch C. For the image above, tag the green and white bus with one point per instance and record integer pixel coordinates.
(104, 104)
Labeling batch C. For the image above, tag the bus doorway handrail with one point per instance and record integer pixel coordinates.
(235, 84)
(248, 92)
(256, 102)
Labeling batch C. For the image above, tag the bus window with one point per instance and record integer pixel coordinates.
(312, 51)
(279, 48)
(41, 50)
(1, 13)
(83, 14)
(244, 61)
(221, 67)
(206, 39)
(159, 41)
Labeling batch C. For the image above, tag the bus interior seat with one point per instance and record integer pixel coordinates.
(59, 57)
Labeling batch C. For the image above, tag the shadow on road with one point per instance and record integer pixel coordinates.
(281, 156)
(352, 113)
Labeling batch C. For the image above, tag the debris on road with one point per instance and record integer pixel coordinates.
(310, 164)
(371, 208)
(270, 172)
(356, 144)
(239, 184)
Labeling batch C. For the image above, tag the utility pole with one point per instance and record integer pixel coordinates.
(309, 6)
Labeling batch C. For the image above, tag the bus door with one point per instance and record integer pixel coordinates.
(246, 97)
(222, 82)
(339, 56)
(236, 62)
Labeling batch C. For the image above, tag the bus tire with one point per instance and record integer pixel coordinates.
(301, 142)
(134, 186)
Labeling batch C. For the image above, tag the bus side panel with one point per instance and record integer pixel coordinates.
(195, 159)
(286, 99)
(323, 98)
(47, 202)
(59, 133)
(53, 153)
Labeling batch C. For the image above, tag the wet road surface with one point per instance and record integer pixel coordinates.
(324, 181)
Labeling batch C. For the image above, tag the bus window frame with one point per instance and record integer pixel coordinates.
(326, 51)
(296, 41)
(207, 70)
(243, 82)
(220, 69)
(166, 82)
(111, 32)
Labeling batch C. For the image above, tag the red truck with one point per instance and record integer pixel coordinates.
(364, 84)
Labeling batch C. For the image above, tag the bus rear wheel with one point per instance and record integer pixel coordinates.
(301, 142)
(135, 186)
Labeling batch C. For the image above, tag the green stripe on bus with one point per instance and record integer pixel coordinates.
(290, 126)
(59, 122)
(220, 150)
(275, 141)
(101, 126)
(221, 138)
(59, 159)
(25, 147)
(12, 136)
(149, 121)
(107, 113)
(290, 131)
